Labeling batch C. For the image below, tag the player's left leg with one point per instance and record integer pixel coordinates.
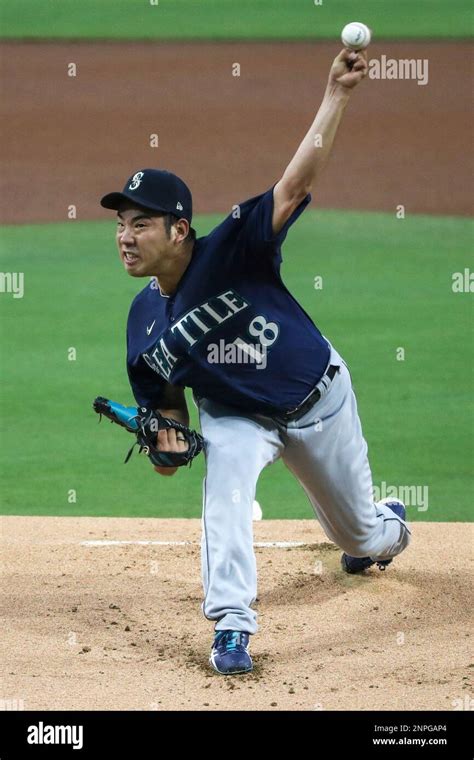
(327, 452)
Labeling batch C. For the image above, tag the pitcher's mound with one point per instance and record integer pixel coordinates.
(92, 622)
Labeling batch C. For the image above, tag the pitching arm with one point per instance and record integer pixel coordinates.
(304, 169)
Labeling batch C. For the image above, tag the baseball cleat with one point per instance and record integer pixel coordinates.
(230, 653)
(354, 565)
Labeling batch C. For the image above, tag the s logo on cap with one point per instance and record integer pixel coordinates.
(136, 181)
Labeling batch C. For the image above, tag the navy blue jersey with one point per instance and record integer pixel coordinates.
(231, 331)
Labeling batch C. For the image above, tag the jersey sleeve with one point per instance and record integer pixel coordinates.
(147, 387)
(257, 233)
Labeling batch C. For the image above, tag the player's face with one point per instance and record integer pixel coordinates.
(142, 241)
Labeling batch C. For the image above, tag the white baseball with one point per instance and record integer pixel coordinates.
(356, 36)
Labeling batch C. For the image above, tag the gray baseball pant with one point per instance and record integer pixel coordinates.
(327, 453)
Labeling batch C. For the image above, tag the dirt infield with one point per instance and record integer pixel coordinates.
(120, 626)
(67, 140)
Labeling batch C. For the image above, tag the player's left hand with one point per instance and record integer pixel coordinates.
(348, 68)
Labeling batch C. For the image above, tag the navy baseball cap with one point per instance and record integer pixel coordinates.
(155, 189)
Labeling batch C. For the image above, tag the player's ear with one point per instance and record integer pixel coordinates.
(180, 230)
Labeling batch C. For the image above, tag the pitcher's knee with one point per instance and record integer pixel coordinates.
(378, 545)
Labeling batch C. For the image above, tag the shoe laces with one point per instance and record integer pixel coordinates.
(230, 640)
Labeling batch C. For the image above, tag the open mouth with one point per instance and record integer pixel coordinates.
(130, 258)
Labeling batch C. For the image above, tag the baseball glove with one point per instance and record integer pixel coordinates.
(145, 424)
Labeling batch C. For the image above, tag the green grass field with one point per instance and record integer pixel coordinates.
(387, 284)
(227, 19)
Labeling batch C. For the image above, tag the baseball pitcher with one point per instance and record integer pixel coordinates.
(216, 317)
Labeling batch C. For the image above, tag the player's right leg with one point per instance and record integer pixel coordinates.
(237, 447)
(327, 452)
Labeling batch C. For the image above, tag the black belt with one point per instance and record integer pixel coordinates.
(314, 396)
